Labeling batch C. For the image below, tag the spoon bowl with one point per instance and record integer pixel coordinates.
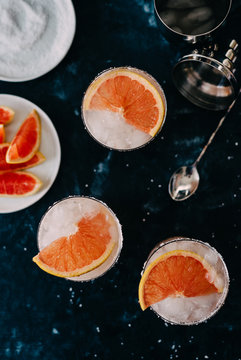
(183, 183)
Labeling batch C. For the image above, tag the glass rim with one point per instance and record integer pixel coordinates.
(136, 70)
(226, 276)
(119, 227)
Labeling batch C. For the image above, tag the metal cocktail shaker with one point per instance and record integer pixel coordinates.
(191, 20)
(207, 76)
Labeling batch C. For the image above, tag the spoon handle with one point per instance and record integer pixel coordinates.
(214, 133)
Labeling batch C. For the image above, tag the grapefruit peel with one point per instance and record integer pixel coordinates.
(133, 75)
(211, 275)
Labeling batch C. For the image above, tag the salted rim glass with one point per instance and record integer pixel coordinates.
(168, 243)
(115, 253)
(148, 77)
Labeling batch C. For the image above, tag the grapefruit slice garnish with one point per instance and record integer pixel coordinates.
(129, 93)
(2, 133)
(37, 159)
(175, 274)
(6, 115)
(78, 253)
(26, 142)
(15, 184)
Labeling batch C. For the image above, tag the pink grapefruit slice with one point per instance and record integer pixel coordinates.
(2, 133)
(37, 159)
(27, 140)
(131, 94)
(18, 183)
(174, 274)
(6, 115)
(79, 253)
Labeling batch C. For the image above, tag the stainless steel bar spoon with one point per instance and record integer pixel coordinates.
(185, 180)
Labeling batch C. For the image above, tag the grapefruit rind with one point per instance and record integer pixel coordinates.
(12, 156)
(38, 184)
(65, 274)
(212, 276)
(11, 114)
(92, 89)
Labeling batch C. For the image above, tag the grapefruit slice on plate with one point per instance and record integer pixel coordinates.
(177, 273)
(37, 159)
(129, 93)
(2, 134)
(14, 183)
(80, 252)
(6, 115)
(27, 140)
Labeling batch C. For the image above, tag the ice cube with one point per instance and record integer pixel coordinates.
(111, 129)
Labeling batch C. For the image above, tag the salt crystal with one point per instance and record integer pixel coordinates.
(34, 35)
(55, 331)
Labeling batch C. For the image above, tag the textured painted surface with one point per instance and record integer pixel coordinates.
(42, 317)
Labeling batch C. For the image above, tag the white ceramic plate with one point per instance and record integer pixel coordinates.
(49, 146)
(53, 37)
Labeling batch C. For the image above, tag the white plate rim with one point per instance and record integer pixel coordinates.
(44, 117)
(72, 31)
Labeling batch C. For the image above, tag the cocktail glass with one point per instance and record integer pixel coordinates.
(110, 129)
(191, 310)
(60, 219)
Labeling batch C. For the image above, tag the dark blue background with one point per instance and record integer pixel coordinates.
(48, 318)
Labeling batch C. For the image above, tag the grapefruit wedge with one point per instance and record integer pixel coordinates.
(27, 140)
(81, 252)
(18, 183)
(37, 159)
(2, 133)
(177, 273)
(138, 99)
(6, 115)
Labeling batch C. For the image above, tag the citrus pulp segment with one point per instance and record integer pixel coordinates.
(79, 239)
(178, 273)
(18, 183)
(6, 115)
(2, 134)
(122, 101)
(37, 159)
(27, 140)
